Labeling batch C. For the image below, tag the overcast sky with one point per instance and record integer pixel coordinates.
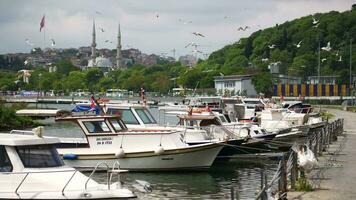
(69, 22)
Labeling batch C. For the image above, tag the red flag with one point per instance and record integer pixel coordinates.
(42, 23)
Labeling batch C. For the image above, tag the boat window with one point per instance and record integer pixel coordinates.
(5, 164)
(145, 116)
(96, 126)
(39, 156)
(117, 124)
(126, 115)
(222, 118)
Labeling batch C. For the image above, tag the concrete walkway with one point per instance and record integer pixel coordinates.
(340, 180)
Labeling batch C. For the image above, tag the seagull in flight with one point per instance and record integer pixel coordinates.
(323, 60)
(26, 62)
(327, 48)
(53, 43)
(264, 59)
(299, 44)
(198, 34)
(243, 28)
(196, 51)
(272, 46)
(315, 22)
(185, 22)
(340, 59)
(191, 44)
(29, 42)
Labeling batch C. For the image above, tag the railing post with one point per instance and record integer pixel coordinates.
(316, 147)
(237, 193)
(282, 183)
(294, 170)
(232, 193)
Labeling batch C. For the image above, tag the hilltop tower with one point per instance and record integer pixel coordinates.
(119, 63)
(93, 45)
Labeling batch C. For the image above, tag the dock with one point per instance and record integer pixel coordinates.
(42, 113)
(46, 100)
(338, 180)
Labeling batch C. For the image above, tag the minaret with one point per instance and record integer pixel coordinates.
(93, 45)
(119, 63)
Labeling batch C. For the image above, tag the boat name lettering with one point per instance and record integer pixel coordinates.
(103, 140)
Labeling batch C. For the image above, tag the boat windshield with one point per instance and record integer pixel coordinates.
(223, 119)
(126, 115)
(5, 164)
(96, 126)
(145, 116)
(39, 156)
(118, 125)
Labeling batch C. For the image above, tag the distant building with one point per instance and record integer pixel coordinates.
(187, 60)
(286, 79)
(234, 85)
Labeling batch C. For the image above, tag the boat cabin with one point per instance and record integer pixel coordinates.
(21, 152)
(198, 120)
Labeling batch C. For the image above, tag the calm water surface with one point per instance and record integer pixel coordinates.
(214, 183)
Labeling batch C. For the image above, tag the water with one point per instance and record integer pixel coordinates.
(214, 183)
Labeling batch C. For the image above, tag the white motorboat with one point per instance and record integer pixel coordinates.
(30, 168)
(108, 139)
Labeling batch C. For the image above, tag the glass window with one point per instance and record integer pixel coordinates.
(145, 116)
(96, 126)
(39, 156)
(222, 118)
(118, 126)
(5, 164)
(126, 115)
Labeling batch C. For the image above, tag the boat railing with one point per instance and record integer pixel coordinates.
(40, 172)
(94, 170)
(109, 173)
(23, 132)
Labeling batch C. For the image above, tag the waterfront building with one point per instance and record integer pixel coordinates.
(234, 85)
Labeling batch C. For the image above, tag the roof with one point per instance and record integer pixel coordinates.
(23, 140)
(87, 117)
(100, 62)
(232, 77)
(196, 117)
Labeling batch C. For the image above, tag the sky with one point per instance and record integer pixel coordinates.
(153, 26)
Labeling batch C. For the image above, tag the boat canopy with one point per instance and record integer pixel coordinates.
(23, 140)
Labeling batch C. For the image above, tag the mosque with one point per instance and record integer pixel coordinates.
(104, 63)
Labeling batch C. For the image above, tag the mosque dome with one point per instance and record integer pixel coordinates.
(101, 62)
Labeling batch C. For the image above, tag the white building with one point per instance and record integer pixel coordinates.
(234, 85)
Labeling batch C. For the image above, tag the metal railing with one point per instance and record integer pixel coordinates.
(288, 172)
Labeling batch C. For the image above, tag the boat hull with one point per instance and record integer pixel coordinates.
(191, 158)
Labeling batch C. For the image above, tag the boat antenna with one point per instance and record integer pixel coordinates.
(195, 89)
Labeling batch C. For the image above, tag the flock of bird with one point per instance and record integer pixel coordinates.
(315, 24)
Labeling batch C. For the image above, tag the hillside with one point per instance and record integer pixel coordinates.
(279, 44)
